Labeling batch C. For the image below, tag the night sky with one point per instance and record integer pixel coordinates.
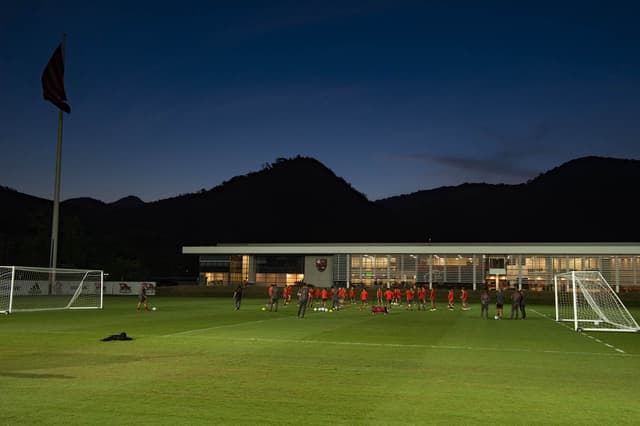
(393, 96)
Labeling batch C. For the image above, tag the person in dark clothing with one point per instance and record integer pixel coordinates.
(237, 297)
(303, 298)
(274, 298)
(499, 303)
(523, 302)
(142, 298)
(515, 303)
(484, 305)
(335, 299)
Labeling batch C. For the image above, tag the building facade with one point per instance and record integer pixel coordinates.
(436, 265)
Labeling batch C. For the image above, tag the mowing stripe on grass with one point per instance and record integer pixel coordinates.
(583, 333)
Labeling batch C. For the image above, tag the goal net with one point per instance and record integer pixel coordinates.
(586, 299)
(24, 288)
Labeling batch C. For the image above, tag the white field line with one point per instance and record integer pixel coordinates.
(407, 346)
(204, 330)
(584, 333)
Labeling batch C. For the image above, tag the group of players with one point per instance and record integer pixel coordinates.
(336, 297)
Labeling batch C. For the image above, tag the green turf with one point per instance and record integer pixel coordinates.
(197, 361)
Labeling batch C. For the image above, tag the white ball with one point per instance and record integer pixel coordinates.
(496, 317)
(315, 309)
(154, 308)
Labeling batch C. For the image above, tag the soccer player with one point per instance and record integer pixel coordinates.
(237, 297)
(303, 299)
(409, 296)
(342, 295)
(142, 298)
(515, 303)
(397, 296)
(499, 303)
(352, 295)
(484, 305)
(379, 295)
(312, 294)
(388, 295)
(325, 295)
(335, 298)
(432, 297)
(450, 299)
(463, 298)
(364, 298)
(422, 298)
(273, 301)
(523, 302)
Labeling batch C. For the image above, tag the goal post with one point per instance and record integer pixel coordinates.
(586, 299)
(24, 288)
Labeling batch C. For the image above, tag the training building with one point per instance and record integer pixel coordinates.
(473, 265)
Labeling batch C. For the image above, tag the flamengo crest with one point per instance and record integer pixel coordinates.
(321, 264)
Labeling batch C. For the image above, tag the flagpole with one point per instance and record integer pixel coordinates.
(53, 257)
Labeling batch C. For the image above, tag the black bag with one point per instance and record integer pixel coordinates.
(121, 336)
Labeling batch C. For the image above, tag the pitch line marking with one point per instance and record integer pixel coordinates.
(204, 330)
(584, 333)
(417, 346)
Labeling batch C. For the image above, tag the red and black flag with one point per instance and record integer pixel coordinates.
(53, 81)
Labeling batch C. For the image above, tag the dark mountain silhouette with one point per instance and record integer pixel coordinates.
(300, 200)
(583, 200)
(128, 202)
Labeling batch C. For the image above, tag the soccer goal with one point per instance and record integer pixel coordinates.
(586, 299)
(25, 288)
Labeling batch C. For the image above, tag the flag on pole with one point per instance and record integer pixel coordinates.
(53, 81)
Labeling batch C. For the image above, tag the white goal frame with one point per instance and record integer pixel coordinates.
(586, 299)
(28, 289)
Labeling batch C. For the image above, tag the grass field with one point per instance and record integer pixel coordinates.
(196, 361)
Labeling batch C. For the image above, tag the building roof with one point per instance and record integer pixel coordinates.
(421, 248)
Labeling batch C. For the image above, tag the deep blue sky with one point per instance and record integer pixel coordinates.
(393, 96)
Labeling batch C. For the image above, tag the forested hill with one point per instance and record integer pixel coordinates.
(301, 200)
(587, 199)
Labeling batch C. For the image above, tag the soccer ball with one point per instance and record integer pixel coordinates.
(154, 308)
(330, 310)
(263, 308)
(315, 309)
(496, 317)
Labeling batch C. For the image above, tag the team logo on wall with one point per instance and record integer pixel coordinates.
(321, 264)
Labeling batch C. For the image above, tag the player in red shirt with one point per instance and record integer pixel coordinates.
(342, 295)
(422, 298)
(364, 298)
(409, 296)
(450, 299)
(397, 296)
(432, 297)
(324, 294)
(312, 292)
(463, 297)
(352, 295)
(379, 295)
(388, 295)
